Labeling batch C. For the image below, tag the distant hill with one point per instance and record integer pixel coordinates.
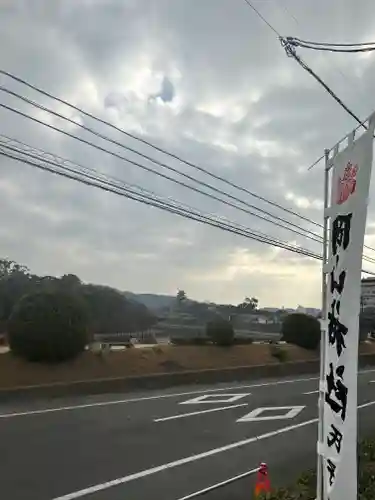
(154, 302)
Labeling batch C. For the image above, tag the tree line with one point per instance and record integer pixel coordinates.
(109, 311)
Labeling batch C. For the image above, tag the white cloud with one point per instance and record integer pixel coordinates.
(235, 104)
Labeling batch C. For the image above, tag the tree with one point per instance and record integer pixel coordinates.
(220, 332)
(249, 304)
(48, 327)
(181, 296)
(110, 310)
(10, 267)
(15, 281)
(302, 330)
(70, 282)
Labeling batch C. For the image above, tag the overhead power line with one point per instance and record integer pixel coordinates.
(291, 52)
(11, 145)
(178, 158)
(153, 146)
(305, 232)
(262, 17)
(48, 166)
(332, 47)
(328, 44)
(300, 231)
(304, 66)
(95, 181)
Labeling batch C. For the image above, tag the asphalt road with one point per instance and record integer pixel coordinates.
(132, 447)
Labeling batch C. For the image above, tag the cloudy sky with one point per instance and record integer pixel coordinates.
(209, 82)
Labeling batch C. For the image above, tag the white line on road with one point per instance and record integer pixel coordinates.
(219, 485)
(216, 398)
(192, 458)
(255, 415)
(183, 461)
(183, 415)
(312, 392)
(159, 396)
(150, 398)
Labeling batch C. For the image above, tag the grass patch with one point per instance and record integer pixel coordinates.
(305, 487)
(278, 353)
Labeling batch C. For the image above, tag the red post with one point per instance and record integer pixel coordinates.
(262, 484)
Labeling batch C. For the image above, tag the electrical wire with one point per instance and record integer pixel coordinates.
(161, 205)
(40, 154)
(172, 155)
(327, 44)
(304, 66)
(305, 232)
(335, 67)
(338, 142)
(14, 145)
(93, 181)
(159, 163)
(291, 52)
(300, 43)
(157, 148)
(262, 17)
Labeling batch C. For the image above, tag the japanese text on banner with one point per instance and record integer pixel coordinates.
(347, 212)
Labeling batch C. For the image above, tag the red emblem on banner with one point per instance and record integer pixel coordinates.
(347, 183)
(263, 484)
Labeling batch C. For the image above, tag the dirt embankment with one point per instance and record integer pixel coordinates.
(136, 362)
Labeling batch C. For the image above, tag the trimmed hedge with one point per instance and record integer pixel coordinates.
(48, 327)
(199, 340)
(203, 340)
(221, 332)
(302, 330)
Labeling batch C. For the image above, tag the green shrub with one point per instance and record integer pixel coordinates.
(278, 353)
(220, 332)
(48, 327)
(305, 487)
(302, 330)
(197, 340)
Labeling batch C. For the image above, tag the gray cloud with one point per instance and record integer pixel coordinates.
(225, 97)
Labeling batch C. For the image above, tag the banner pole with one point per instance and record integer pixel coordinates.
(320, 461)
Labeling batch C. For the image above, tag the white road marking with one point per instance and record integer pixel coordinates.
(183, 415)
(368, 370)
(255, 415)
(215, 398)
(312, 392)
(156, 397)
(187, 460)
(219, 485)
(182, 461)
(150, 398)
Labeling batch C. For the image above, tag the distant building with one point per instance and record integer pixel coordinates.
(312, 311)
(367, 293)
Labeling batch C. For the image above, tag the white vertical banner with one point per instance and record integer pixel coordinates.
(347, 213)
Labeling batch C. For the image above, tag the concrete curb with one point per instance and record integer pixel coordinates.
(165, 380)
